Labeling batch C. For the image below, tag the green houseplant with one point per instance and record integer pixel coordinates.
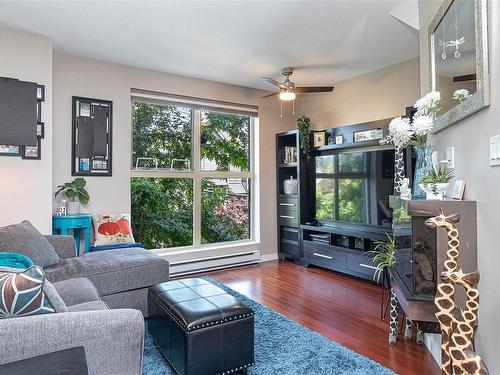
(76, 193)
(436, 183)
(383, 256)
(303, 124)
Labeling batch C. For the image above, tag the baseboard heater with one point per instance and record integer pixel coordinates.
(199, 265)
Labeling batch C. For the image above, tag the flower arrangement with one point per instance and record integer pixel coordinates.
(403, 132)
(461, 95)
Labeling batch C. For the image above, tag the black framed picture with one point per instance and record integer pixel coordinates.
(32, 152)
(84, 164)
(9, 150)
(91, 150)
(39, 111)
(99, 164)
(40, 130)
(85, 109)
(40, 93)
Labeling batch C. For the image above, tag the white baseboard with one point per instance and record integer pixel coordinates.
(268, 257)
(433, 343)
(211, 263)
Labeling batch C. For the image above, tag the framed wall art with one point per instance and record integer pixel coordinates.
(32, 152)
(319, 138)
(9, 150)
(27, 111)
(91, 150)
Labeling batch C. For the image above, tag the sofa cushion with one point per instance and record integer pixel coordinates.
(25, 239)
(112, 229)
(22, 293)
(54, 298)
(15, 260)
(113, 271)
(89, 306)
(76, 291)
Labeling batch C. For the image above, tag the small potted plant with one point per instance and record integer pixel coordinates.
(436, 183)
(76, 193)
(383, 256)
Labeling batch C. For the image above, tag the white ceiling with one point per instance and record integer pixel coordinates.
(227, 41)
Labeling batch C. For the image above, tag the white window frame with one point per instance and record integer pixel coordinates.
(197, 175)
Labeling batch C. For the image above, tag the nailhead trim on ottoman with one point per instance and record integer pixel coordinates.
(200, 328)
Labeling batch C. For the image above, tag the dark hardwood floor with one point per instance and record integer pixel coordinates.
(343, 308)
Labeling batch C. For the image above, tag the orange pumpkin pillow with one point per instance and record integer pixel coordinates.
(112, 229)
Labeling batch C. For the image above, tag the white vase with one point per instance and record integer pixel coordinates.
(73, 208)
(290, 186)
(435, 191)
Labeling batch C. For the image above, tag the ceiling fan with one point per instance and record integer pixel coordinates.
(288, 90)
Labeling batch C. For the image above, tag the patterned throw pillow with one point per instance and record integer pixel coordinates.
(21, 293)
(112, 229)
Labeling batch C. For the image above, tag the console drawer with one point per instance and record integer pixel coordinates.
(324, 255)
(289, 219)
(288, 201)
(361, 263)
(290, 248)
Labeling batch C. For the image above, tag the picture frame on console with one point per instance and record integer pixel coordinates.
(458, 190)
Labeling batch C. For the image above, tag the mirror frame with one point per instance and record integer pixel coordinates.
(480, 99)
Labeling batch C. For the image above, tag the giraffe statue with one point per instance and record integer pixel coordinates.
(393, 324)
(446, 310)
(464, 359)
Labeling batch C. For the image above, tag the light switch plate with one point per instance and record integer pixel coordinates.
(495, 150)
(450, 157)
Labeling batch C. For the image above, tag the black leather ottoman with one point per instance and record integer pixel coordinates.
(200, 328)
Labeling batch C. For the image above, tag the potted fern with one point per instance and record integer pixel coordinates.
(436, 183)
(76, 193)
(383, 256)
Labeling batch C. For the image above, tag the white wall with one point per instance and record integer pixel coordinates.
(470, 138)
(372, 96)
(26, 185)
(96, 79)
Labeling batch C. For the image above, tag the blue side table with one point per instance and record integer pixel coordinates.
(79, 223)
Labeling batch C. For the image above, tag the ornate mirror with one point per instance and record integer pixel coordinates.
(459, 59)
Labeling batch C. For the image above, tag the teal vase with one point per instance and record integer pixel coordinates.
(423, 167)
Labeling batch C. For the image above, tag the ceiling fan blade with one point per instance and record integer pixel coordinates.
(275, 83)
(306, 90)
(269, 95)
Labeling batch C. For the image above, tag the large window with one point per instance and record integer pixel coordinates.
(191, 175)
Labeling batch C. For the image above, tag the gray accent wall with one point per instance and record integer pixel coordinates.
(470, 138)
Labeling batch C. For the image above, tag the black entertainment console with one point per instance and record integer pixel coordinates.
(345, 248)
(338, 240)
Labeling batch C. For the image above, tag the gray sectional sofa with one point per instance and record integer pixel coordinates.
(122, 277)
(105, 293)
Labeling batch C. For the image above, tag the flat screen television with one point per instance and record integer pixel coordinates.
(353, 187)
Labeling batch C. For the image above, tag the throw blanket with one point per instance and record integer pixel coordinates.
(15, 260)
(117, 246)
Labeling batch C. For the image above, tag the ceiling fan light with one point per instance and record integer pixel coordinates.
(287, 95)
